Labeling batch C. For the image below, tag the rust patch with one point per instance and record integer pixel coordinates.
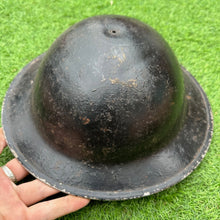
(195, 138)
(85, 120)
(105, 129)
(129, 83)
(188, 97)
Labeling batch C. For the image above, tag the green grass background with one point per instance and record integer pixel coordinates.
(191, 27)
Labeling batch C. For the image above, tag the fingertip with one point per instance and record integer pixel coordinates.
(78, 201)
(84, 201)
(2, 140)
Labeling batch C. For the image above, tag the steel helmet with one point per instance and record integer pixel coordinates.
(107, 112)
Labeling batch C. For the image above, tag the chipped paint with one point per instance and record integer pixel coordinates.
(119, 55)
(14, 153)
(146, 194)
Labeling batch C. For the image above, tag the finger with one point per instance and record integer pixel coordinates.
(17, 169)
(3, 143)
(6, 187)
(58, 207)
(11, 207)
(34, 191)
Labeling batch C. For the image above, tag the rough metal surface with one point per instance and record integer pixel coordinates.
(107, 113)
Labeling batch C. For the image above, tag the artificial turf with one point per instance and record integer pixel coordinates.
(191, 27)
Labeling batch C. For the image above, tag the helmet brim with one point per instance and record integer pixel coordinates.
(138, 178)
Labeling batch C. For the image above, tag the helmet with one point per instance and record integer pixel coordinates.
(107, 112)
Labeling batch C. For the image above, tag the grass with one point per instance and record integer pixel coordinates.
(191, 27)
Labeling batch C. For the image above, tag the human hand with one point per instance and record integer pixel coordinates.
(2, 140)
(19, 201)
